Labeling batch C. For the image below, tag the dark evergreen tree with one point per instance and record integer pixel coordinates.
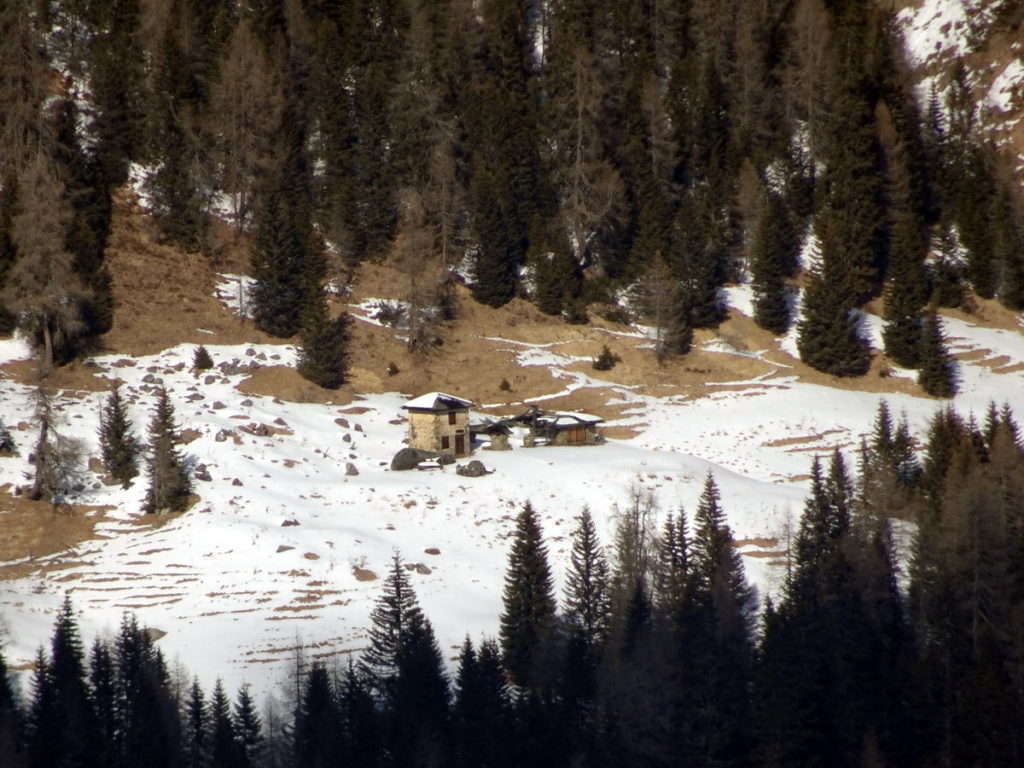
(174, 185)
(528, 603)
(586, 603)
(316, 720)
(223, 737)
(287, 259)
(62, 721)
(118, 445)
(103, 685)
(117, 77)
(201, 360)
(905, 293)
(937, 375)
(196, 728)
(829, 338)
(323, 356)
(169, 482)
(773, 258)
(248, 730)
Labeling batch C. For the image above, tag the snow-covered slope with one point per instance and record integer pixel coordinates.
(280, 547)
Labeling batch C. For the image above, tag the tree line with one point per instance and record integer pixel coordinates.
(556, 149)
(870, 653)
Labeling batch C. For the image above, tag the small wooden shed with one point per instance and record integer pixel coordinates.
(560, 428)
(439, 423)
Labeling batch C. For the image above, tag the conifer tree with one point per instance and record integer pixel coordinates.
(773, 258)
(316, 720)
(905, 293)
(528, 603)
(196, 728)
(829, 339)
(323, 356)
(248, 730)
(287, 258)
(169, 483)
(937, 375)
(395, 612)
(174, 185)
(118, 445)
(223, 738)
(62, 723)
(586, 602)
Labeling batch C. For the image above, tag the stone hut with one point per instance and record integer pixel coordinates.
(560, 428)
(439, 423)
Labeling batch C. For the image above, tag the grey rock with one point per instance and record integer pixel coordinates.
(405, 459)
(350, 469)
(474, 468)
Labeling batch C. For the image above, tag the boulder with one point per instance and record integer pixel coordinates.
(405, 459)
(474, 468)
(350, 469)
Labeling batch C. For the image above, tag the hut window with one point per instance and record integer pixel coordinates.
(451, 418)
(444, 442)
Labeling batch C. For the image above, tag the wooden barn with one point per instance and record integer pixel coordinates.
(439, 423)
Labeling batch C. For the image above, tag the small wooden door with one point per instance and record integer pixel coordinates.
(460, 445)
(577, 435)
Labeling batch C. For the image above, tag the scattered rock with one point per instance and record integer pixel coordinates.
(250, 352)
(149, 378)
(289, 522)
(445, 459)
(218, 405)
(260, 430)
(246, 403)
(284, 548)
(421, 568)
(311, 556)
(405, 459)
(195, 397)
(350, 469)
(202, 473)
(432, 551)
(188, 435)
(222, 435)
(236, 481)
(474, 468)
(209, 379)
(347, 437)
(359, 427)
(280, 422)
(343, 423)
(261, 356)
(78, 487)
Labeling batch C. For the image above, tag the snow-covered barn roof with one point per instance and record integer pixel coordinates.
(437, 401)
(571, 418)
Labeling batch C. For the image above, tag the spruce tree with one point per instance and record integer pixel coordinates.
(196, 726)
(905, 293)
(773, 258)
(829, 338)
(323, 356)
(62, 721)
(528, 603)
(118, 445)
(223, 738)
(586, 603)
(248, 729)
(169, 483)
(315, 739)
(937, 375)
